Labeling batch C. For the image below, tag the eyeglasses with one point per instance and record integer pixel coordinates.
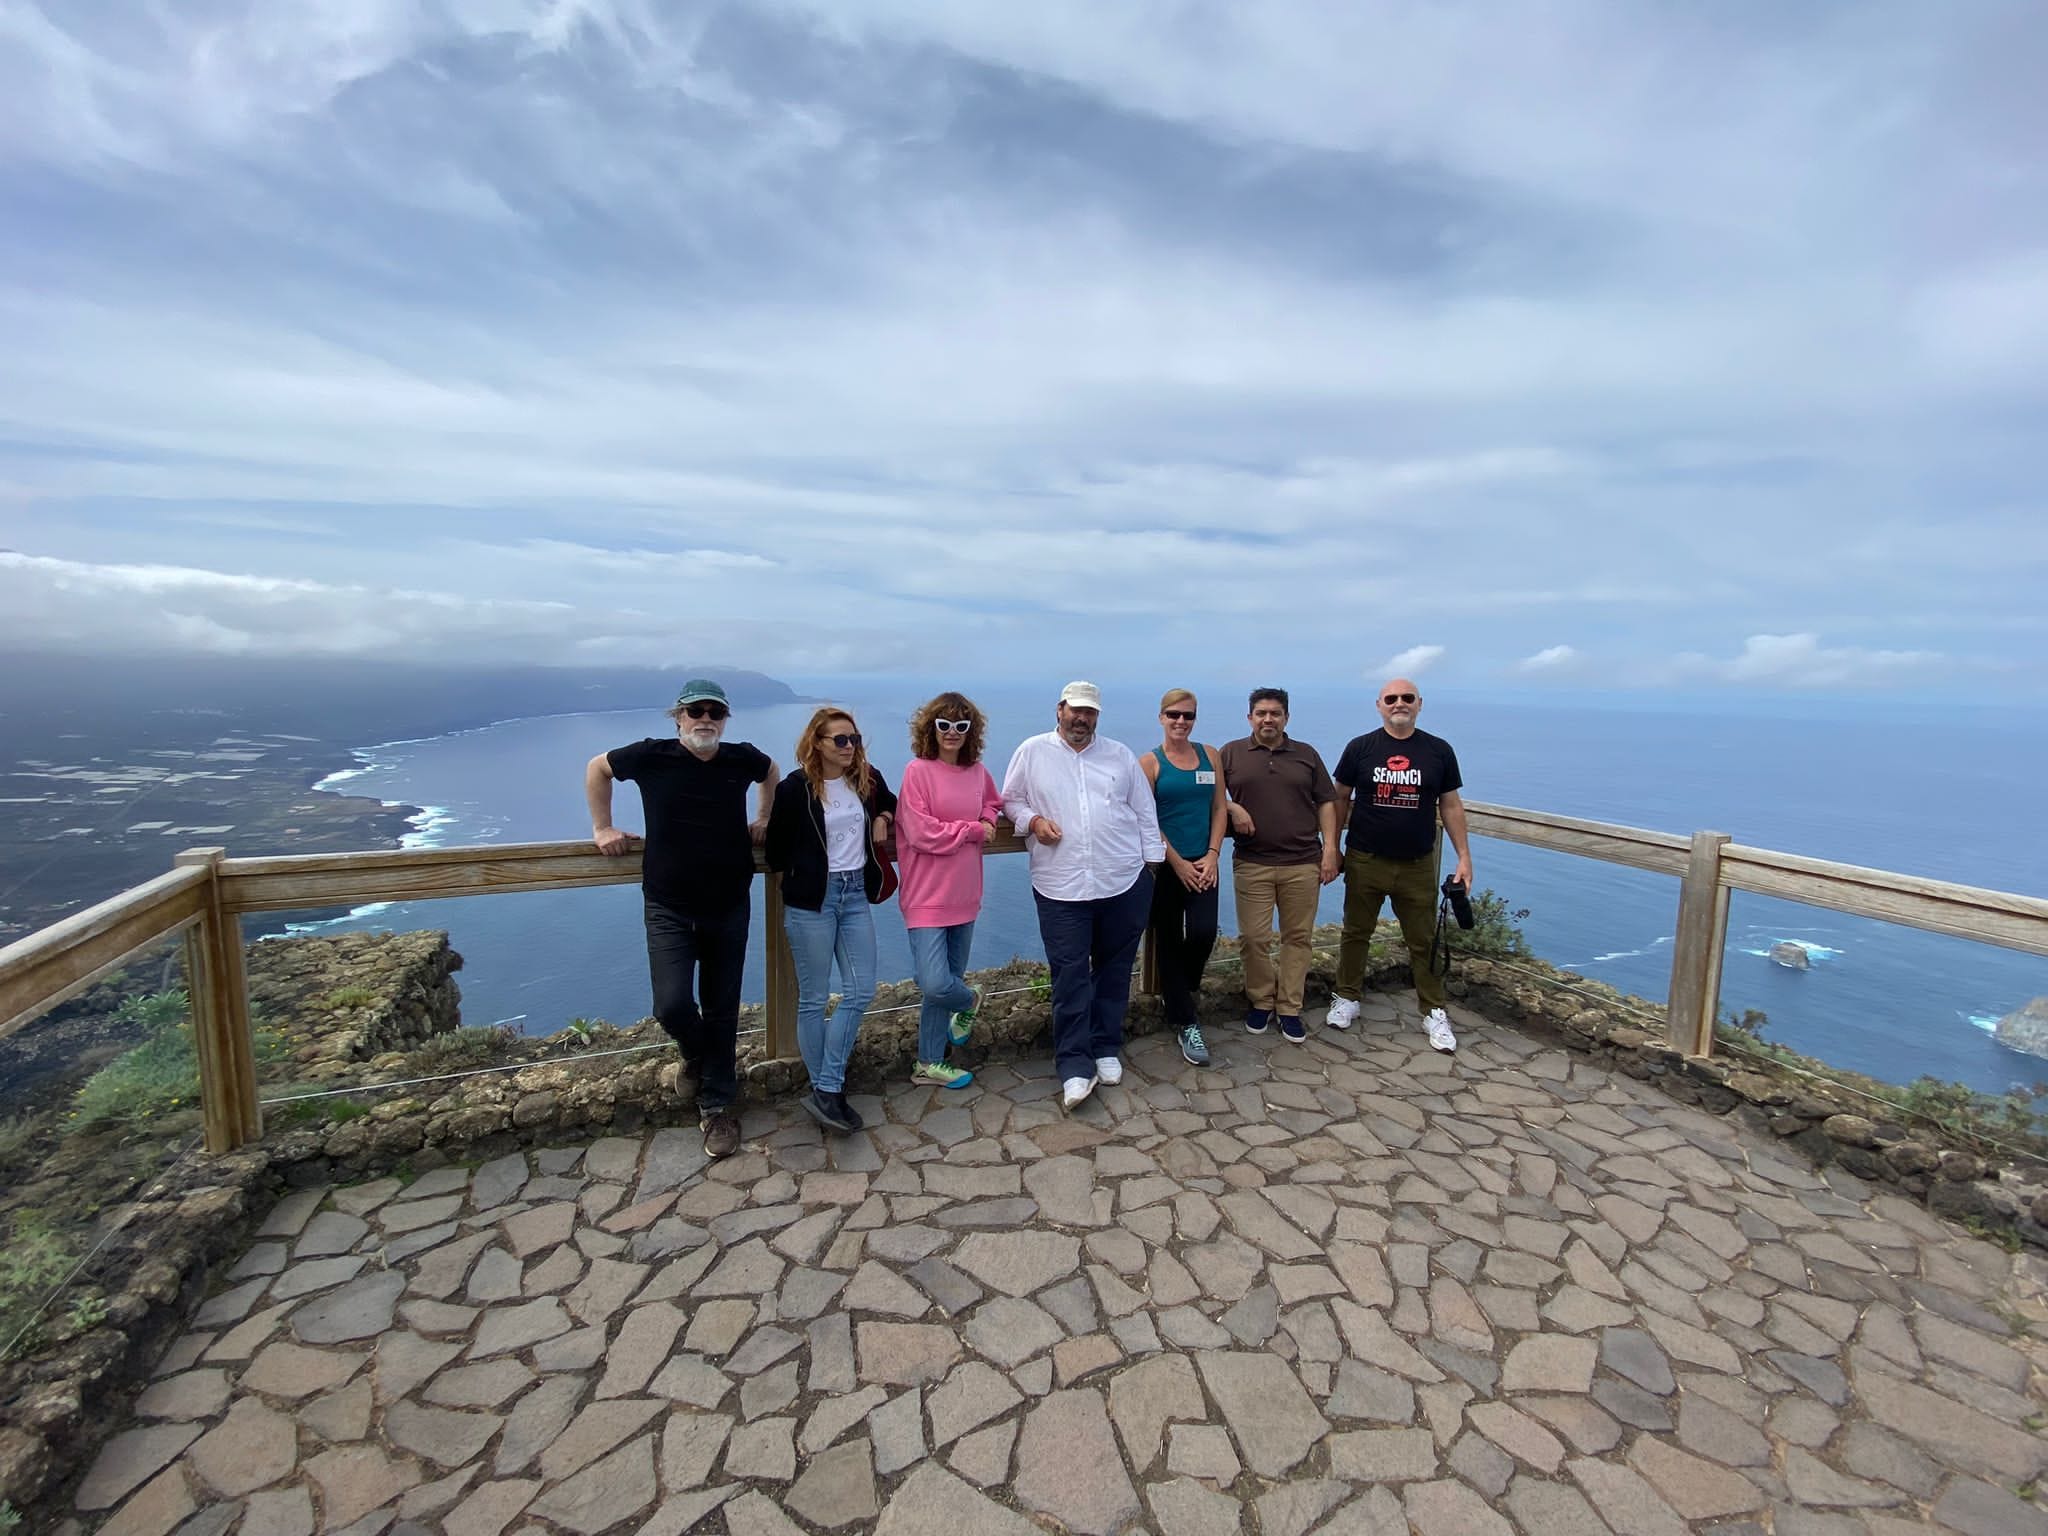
(705, 711)
(954, 727)
(1397, 698)
(844, 740)
(1177, 714)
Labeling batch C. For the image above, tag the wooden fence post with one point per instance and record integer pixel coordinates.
(219, 989)
(1696, 952)
(781, 1000)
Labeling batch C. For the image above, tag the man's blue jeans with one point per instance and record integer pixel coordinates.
(940, 957)
(1089, 946)
(842, 929)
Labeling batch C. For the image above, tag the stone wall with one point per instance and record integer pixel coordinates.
(339, 1001)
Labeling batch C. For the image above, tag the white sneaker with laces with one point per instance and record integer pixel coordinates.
(1343, 1012)
(1439, 1027)
(1074, 1090)
(1108, 1070)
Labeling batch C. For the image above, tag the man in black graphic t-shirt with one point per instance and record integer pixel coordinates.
(694, 881)
(1392, 784)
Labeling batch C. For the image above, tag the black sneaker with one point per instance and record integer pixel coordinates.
(1290, 1026)
(846, 1110)
(830, 1110)
(1256, 1020)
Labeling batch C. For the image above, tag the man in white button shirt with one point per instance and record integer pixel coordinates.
(1090, 821)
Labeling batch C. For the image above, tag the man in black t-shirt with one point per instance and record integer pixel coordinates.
(1392, 784)
(694, 881)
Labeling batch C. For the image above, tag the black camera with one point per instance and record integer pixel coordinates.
(1460, 901)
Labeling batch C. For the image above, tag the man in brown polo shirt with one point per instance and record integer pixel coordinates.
(1283, 817)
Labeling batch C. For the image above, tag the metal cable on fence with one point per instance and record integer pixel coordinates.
(35, 1317)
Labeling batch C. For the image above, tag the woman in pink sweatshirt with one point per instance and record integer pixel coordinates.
(946, 811)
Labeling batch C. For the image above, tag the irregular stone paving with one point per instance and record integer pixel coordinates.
(1350, 1286)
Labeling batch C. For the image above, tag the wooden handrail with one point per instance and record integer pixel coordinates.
(62, 960)
(289, 882)
(211, 892)
(1663, 852)
(1938, 906)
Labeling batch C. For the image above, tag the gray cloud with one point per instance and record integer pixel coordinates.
(1016, 329)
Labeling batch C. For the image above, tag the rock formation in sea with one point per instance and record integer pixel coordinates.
(1792, 956)
(2026, 1029)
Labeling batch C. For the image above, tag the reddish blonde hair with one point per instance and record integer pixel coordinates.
(860, 778)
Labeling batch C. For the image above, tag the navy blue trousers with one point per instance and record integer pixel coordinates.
(1090, 946)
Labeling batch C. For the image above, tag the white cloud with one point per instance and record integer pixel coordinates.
(79, 606)
(1801, 661)
(1413, 662)
(1551, 659)
(1130, 330)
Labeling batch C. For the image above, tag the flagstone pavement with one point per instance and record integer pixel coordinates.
(1347, 1286)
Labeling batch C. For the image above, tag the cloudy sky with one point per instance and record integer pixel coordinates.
(1538, 344)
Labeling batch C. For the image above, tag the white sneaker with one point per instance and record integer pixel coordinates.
(1074, 1090)
(1109, 1070)
(1343, 1012)
(1439, 1028)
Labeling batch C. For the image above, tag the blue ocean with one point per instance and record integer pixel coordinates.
(1832, 782)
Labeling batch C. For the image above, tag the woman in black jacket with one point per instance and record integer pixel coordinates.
(829, 815)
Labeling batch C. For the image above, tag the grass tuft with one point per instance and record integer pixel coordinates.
(33, 1262)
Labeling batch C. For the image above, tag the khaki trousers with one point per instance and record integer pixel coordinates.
(1411, 883)
(1292, 889)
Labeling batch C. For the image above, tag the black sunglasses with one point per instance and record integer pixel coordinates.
(844, 740)
(1178, 714)
(954, 727)
(1397, 698)
(705, 711)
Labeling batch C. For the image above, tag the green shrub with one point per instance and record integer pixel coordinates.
(33, 1262)
(156, 1010)
(16, 1132)
(1496, 933)
(350, 997)
(1981, 1118)
(476, 1046)
(159, 1075)
(10, 1517)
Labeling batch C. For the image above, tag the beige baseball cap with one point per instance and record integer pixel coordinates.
(1080, 695)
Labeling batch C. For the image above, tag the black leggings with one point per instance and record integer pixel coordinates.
(1184, 931)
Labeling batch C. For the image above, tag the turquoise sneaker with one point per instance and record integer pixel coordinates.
(940, 1075)
(961, 1025)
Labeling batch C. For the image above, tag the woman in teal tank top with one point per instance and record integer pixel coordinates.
(1191, 813)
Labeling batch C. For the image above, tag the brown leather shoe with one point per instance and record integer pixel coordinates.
(721, 1133)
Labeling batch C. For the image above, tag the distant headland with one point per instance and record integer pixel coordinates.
(113, 764)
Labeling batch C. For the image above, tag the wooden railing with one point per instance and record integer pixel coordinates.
(205, 896)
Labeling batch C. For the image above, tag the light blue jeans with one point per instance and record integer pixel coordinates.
(842, 929)
(940, 957)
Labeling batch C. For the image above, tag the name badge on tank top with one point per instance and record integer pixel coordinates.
(1205, 776)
